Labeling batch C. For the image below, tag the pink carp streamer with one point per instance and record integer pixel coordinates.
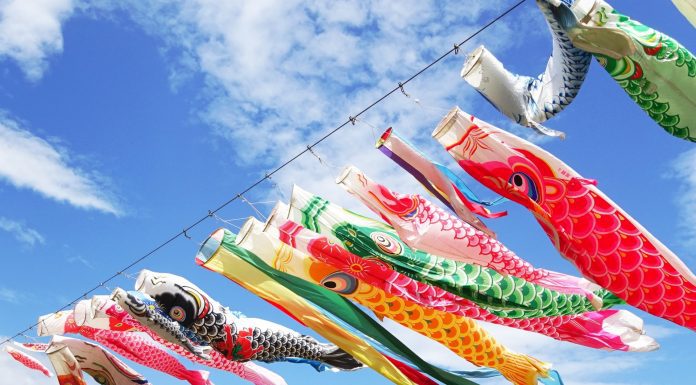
(595, 234)
(28, 361)
(438, 180)
(70, 357)
(424, 226)
(606, 329)
(136, 347)
(103, 313)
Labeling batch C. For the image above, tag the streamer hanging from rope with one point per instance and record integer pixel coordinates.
(103, 313)
(655, 70)
(606, 329)
(70, 357)
(317, 306)
(526, 100)
(505, 296)
(28, 361)
(439, 181)
(594, 233)
(136, 347)
(424, 226)
(460, 334)
(238, 339)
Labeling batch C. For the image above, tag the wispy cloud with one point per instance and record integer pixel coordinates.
(30, 31)
(683, 169)
(28, 161)
(81, 260)
(9, 295)
(21, 232)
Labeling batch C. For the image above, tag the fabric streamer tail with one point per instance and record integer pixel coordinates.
(340, 359)
(521, 369)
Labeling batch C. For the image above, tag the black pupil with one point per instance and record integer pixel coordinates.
(517, 180)
(330, 284)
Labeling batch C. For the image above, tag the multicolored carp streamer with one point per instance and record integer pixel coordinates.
(318, 307)
(594, 233)
(504, 296)
(655, 70)
(28, 361)
(136, 347)
(688, 9)
(107, 314)
(606, 329)
(460, 334)
(239, 339)
(424, 226)
(70, 357)
(439, 181)
(526, 100)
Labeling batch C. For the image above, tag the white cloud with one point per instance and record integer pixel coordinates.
(30, 31)
(14, 373)
(28, 161)
(20, 232)
(9, 295)
(684, 169)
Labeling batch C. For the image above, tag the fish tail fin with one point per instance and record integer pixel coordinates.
(340, 359)
(521, 369)
(198, 377)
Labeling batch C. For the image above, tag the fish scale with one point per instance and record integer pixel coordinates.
(459, 334)
(595, 234)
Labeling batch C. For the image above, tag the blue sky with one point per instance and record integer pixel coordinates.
(121, 123)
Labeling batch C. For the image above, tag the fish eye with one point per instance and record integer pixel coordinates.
(177, 313)
(340, 282)
(525, 184)
(386, 243)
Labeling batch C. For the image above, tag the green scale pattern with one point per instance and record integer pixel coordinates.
(504, 296)
(660, 77)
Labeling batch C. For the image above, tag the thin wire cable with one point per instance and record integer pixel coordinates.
(351, 120)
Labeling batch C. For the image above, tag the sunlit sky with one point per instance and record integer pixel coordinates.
(122, 122)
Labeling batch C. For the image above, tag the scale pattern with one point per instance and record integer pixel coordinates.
(460, 334)
(660, 76)
(28, 361)
(603, 241)
(598, 329)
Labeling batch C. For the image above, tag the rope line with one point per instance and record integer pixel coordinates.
(211, 213)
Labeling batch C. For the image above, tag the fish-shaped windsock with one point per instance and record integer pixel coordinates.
(440, 181)
(321, 309)
(106, 314)
(460, 334)
(28, 361)
(70, 357)
(240, 339)
(527, 100)
(136, 347)
(608, 246)
(505, 296)
(424, 226)
(606, 329)
(656, 71)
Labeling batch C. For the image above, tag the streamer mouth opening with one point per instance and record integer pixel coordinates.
(210, 246)
(446, 123)
(140, 281)
(245, 230)
(280, 211)
(473, 61)
(385, 135)
(347, 171)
